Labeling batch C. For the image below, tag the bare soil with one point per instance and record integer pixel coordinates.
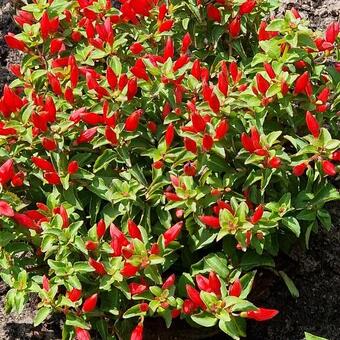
(316, 272)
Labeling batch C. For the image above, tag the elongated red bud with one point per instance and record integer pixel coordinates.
(136, 48)
(210, 221)
(111, 78)
(207, 142)
(261, 314)
(247, 143)
(166, 26)
(214, 103)
(196, 69)
(214, 283)
(190, 145)
(301, 83)
(257, 214)
(169, 282)
(74, 294)
(90, 245)
(169, 49)
(194, 296)
(129, 270)
(14, 42)
(169, 134)
(247, 7)
(203, 283)
(186, 42)
(336, 156)
(137, 288)
(7, 172)
(332, 32)
(312, 124)
(236, 288)
(328, 168)
(223, 83)
(101, 228)
(6, 209)
(97, 266)
(72, 167)
(82, 334)
(274, 163)
(134, 230)
(270, 71)
(172, 233)
(180, 62)
(45, 283)
(26, 222)
(262, 84)
(132, 122)
(171, 196)
(137, 333)
(299, 169)
(213, 13)
(87, 135)
(221, 129)
(189, 169)
(235, 26)
(48, 144)
(90, 303)
(52, 178)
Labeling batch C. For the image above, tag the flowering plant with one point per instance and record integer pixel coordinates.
(155, 154)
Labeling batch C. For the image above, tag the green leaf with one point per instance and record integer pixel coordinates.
(290, 284)
(309, 336)
(293, 224)
(41, 315)
(235, 328)
(252, 260)
(104, 160)
(204, 319)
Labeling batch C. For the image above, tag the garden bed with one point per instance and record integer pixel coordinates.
(316, 272)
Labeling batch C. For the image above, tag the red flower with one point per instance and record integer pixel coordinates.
(213, 13)
(235, 26)
(196, 69)
(52, 178)
(328, 168)
(332, 32)
(257, 214)
(45, 283)
(169, 282)
(90, 303)
(47, 25)
(214, 103)
(6, 209)
(261, 314)
(129, 270)
(189, 169)
(132, 122)
(180, 62)
(171, 196)
(73, 167)
(186, 42)
(221, 129)
(26, 222)
(10, 102)
(101, 228)
(169, 49)
(136, 48)
(82, 334)
(48, 144)
(111, 136)
(247, 7)
(223, 83)
(301, 83)
(274, 162)
(74, 295)
(139, 70)
(90, 245)
(166, 26)
(269, 69)
(97, 266)
(207, 142)
(190, 145)
(137, 333)
(236, 288)
(262, 84)
(312, 124)
(134, 230)
(43, 164)
(87, 135)
(194, 296)
(6, 172)
(299, 169)
(211, 221)
(172, 233)
(111, 78)
(14, 42)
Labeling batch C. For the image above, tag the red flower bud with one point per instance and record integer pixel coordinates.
(132, 122)
(52, 178)
(45, 283)
(73, 167)
(49, 144)
(270, 71)
(336, 156)
(169, 282)
(257, 214)
(301, 83)
(90, 245)
(137, 288)
(90, 303)
(74, 295)
(169, 134)
(236, 288)
(211, 221)
(6, 209)
(332, 32)
(196, 69)
(274, 162)
(223, 83)
(137, 333)
(213, 13)
(166, 26)
(82, 334)
(299, 169)
(136, 48)
(207, 142)
(261, 314)
(189, 169)
(26, 222)
(172, 233)
(312, 124)
(221, 129)
(14, 42)
(186, 42)
(87, 135)
(262, 84)
(134, 230)
(129, 270)
(194, 296)
(169, 49)
(171, 196)
(214, 103)
(97, 266)
(111, 78)
(214, 283)
(190, 145)
(247, 7)
(6, 172)
(328, 168)
(235, 26)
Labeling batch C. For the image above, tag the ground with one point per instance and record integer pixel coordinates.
(316, 272)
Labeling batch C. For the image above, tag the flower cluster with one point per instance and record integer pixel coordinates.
(154, 155)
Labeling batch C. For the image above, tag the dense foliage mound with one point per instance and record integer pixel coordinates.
(153, 155)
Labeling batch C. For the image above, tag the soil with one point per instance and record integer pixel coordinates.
(316, 272)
